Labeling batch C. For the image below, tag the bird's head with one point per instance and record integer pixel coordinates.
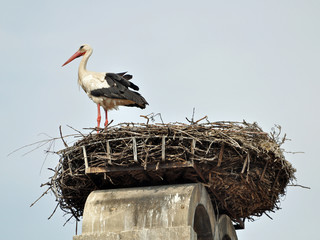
(82, 50)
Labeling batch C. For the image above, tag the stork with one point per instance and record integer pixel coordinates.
(108, 90)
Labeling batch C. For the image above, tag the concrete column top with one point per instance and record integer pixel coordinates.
(159, 212)
(147, 207)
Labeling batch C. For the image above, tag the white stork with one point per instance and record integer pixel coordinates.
(108, 90)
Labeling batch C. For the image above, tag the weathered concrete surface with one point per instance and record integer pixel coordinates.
(157, 212)
(226, 229)
(154, 234)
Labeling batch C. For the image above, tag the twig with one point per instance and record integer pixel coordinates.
(220, 155)
(268, 215)
(64, 142)
(248, 156)
(55, 209)
(293, 152)
(264, 171)
(106, 175)
(146, 117)
(151, 117)
(192, 118)
(70, 219)
(298, 185)
(205, 117)
(244, 164)
(76, 130)
(40, 197)
(106, 127)
(39, 144)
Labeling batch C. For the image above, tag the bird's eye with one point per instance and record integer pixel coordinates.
(81, 47)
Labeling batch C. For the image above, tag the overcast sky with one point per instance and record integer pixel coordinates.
(231, 60)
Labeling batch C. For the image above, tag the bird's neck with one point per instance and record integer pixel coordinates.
(83, 64)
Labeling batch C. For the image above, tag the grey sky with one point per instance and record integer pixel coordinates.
(231, 60)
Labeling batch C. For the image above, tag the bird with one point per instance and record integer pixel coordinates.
(108, 90)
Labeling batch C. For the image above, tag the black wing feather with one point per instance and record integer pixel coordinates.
(118, 89)
(122, 78)
(125, 75)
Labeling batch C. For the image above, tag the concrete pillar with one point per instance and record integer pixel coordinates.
(157, 212)
(226, 229)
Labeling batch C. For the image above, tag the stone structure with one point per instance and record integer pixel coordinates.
(158, 212)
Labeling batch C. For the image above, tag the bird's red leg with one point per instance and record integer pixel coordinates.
(106, 122)
(98, 118)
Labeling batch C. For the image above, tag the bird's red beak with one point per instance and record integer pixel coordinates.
(74, 56)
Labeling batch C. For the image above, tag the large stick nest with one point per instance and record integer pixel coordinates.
(243, 168)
